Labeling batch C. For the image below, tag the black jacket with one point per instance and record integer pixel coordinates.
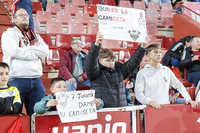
(108, 83)
(175, 51)
(186, 62)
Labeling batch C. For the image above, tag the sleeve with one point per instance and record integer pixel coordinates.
(128, 67)
(197, 93)
(186, 60)
(40, 107)
(102, 104)
(11, 46)
(63, 67)
(176, 84)
(175, 50)
(17, 104)
(6, 108)
(91, 65)
(139, 90)
(41, 49)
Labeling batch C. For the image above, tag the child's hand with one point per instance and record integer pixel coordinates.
(129, 85)
(52, 102)
(97, 102)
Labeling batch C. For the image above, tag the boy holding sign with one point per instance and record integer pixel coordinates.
(49, 102)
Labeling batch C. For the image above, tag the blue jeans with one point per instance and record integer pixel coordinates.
(178, 100)
(72, 87)
(31, 91)
(194, 77)
(175, 62)
(44, 3)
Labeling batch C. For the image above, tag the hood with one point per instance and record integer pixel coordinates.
(152, 69)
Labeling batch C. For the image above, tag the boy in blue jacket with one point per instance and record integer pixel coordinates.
(49, 102)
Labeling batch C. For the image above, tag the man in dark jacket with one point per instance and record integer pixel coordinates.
(191, 61)
(173, 55)
(72, 66)
(107, 79)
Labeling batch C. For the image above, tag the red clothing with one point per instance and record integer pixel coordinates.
(66, 65)
(196, 52)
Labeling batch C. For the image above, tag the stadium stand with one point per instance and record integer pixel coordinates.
(91, 10)
(111, 44)
(63, 2)
(43, 16)
(54, 28)
(92, 28)
(37, 6)
(87, 40)
(123, 56)
(167, 42)
(191, 91)
(37, 27)
(72, 9)
(82, 18)
(94, 2)
(63, 17)
(125, 4)
(47, 39)
(139, 5)
(75, 28)
(53, 8)
(153, 5)
(80, 3)
(63, 41)
(109, 2)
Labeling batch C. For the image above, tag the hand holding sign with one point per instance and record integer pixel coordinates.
(99, 38)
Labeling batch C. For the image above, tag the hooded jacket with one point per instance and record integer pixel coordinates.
(108, 83)
(175, 51)
(153, 85)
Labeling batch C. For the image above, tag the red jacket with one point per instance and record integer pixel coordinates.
(66, 65)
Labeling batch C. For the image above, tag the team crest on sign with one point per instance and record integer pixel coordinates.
(134, 34)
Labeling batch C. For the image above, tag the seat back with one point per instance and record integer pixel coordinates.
(87, 40)
(153, 30)
(91, 10)
(43, 16)
(95, 20)
(123, 56)
(191, 91)
(177, 73)
(167, 42)
(53, 8)
(167, 6)
(80, 3)
(153, 5)
(167, 21)
(53, 59)
(54, 28)
(63, 2)
(46, 38)
(63, 17)
(63, 41)
(37, 27)
(166, 14)
(153, 40)
(152, 13)
(109, 2)
(139, 5)
(125, 4)
(75, 28)
(37, 6)
(92, 28)
(72, 9)
(151, 20)
(82, 17)
(94, 2)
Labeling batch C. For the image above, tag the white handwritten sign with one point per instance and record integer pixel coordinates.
(76, 105)
(119, 23)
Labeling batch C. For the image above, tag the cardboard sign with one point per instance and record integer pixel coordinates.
(119, 23)
(76, 106)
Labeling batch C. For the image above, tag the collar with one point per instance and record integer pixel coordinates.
(108, 69)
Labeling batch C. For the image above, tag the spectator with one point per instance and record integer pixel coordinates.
(44, 3)
(49, 102)
(72, 66)
(106, 79)
(153, 81)
(10, 101)
(190, 61)
(22, 50)
(132, 77)
(27, 5)
(173, 55)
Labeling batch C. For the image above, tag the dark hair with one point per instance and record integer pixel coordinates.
(188, 38)
(4, 65)
(72, 42)
(152, 47)
(55, 80)
(106, 53)
(14, 14)
(192, 39)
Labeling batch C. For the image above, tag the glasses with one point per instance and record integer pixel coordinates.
(79, 43)
(21, 15)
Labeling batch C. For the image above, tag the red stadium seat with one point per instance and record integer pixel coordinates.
(92, 28)
(72, 9)
(63, 17)
(153, 40)
(167, 22)
(109, 2)
(82, 18)
(53, 8)
(151, 20)
(167, 42)
(125, 4)
(129, 45)
(111, 44)
(9, 5)
(75, 28)
(87, 40)
(177, 73)
(53, 59)
(191, 91)
(167, 6)
(153, 31)
(37, 6)
(152, 13)
(80, 3)
(63, 41)
(123, 56)
(47, 39)
(37, 27)
(139, 5)
(185, 79)
(54, 28)
(91, 10)
(166, 14)
(163, 53)
(47, 84)
(153, 5)
(94, 2)
(95, 18)
(43, 16)
(63, 2)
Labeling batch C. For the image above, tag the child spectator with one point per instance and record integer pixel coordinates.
(10, 101)
(153, 81)
(49, 102)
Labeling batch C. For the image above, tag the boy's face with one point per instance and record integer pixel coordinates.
(107, 62)
(155, 55)
(59, 86)
(4, 76)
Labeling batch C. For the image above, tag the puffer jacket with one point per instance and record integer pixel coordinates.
(108, 83)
